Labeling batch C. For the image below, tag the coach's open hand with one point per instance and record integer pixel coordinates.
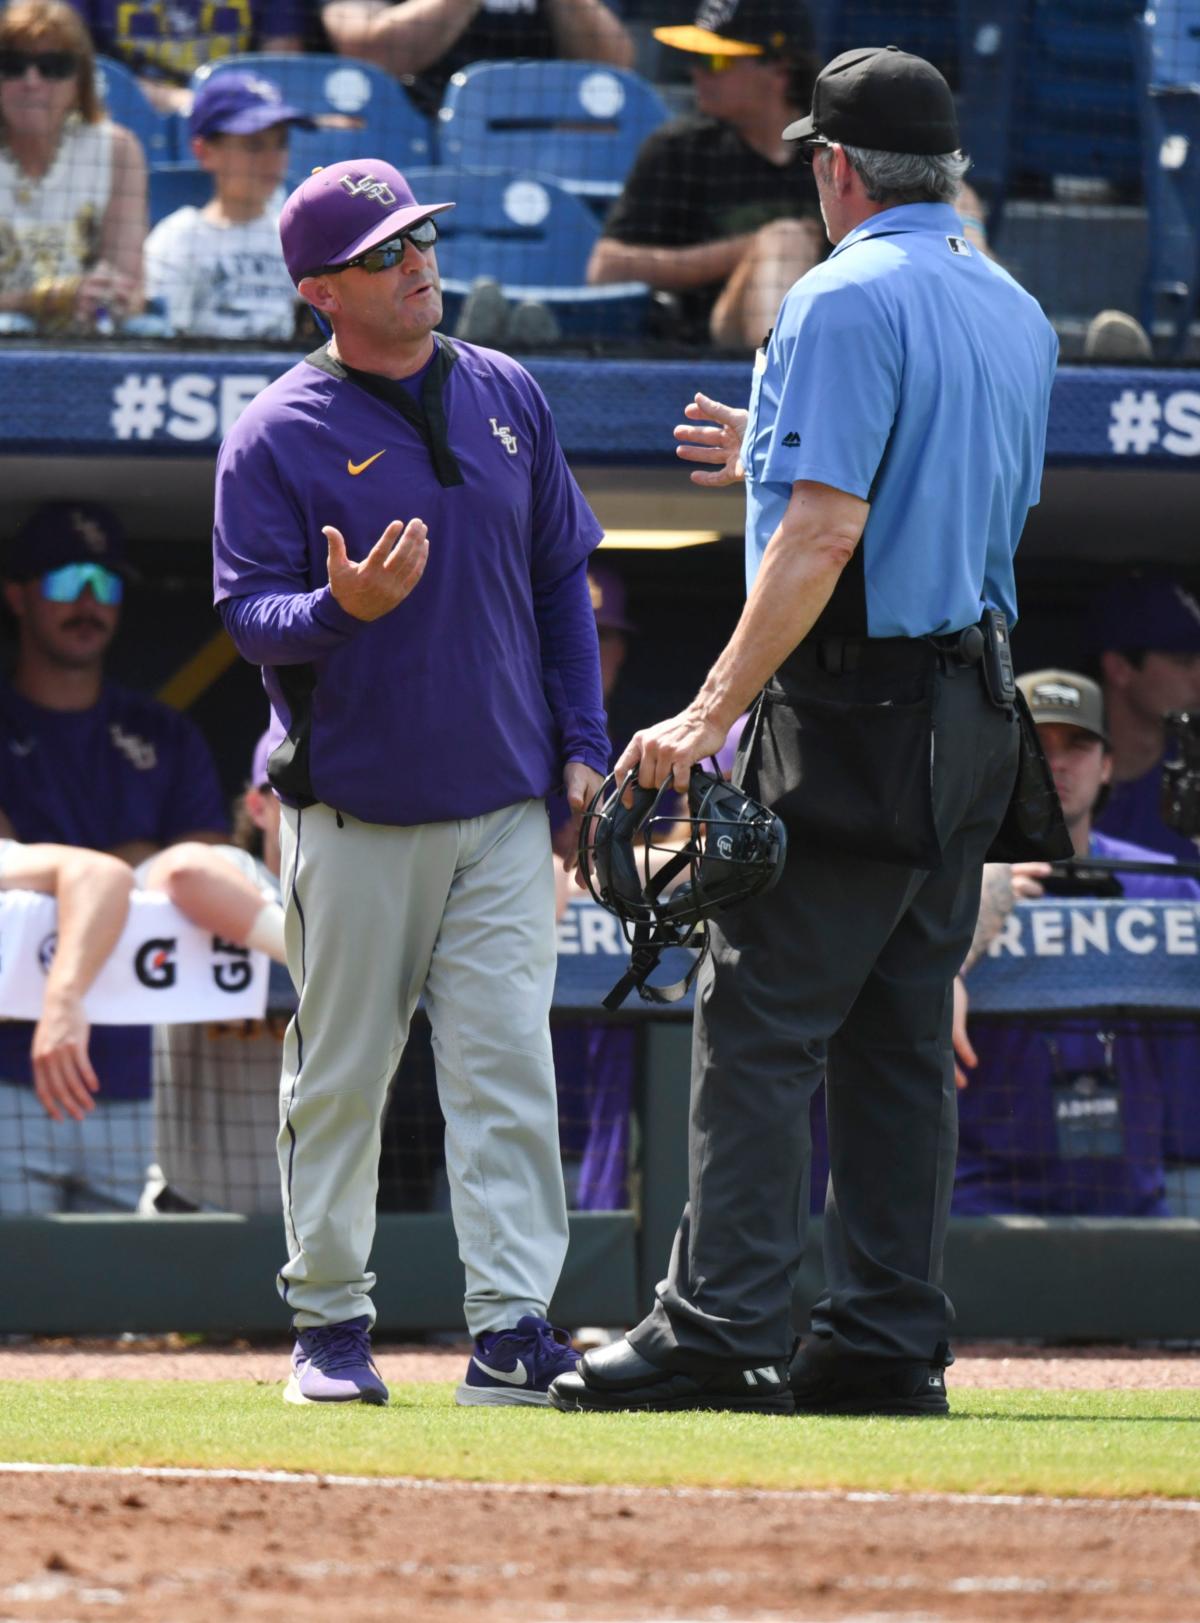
(386, 575)
(671, 747)
(722, 445)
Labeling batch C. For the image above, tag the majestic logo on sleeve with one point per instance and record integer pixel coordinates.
(377, 190)
(505, 435)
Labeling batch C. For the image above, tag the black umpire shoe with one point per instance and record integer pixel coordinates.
(825, 1381)
(618, 1379)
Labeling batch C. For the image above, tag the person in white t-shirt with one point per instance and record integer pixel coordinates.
(219, 269)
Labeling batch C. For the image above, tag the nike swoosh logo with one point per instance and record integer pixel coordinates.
(511, 1377)
(355, 468)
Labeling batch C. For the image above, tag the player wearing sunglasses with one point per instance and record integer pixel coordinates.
(85, 763)
(401, 547)
(72, 184)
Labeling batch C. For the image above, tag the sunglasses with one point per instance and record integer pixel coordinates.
(68, 584)
(423, 235)
(50, 64)
(718, 64)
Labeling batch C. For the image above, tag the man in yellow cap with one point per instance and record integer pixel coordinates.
(717, 210)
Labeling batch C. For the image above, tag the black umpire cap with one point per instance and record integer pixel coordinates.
(882, 98)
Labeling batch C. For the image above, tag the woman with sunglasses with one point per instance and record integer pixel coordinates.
(72, 184)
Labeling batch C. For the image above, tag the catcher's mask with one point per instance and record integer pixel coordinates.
(631, 861)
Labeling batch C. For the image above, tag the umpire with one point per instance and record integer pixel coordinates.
(891, 451)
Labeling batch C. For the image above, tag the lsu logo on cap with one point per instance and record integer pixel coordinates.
(378, 190)
(89, 532)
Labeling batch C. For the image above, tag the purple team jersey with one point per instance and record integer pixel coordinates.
(1023, 1144)
(1133, 812)
(473, 692)
(127, 769)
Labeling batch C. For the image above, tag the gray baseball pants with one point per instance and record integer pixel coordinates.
(376, 916)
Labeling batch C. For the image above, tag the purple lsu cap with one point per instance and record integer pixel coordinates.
(1146, 612)
(339, 212)
(240, 104)
(59, 533)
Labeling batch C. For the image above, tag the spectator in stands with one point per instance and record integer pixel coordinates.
(216, 1087)
(165, 44)
(87, 763)
(1145, 631)
(219, 269)
(72, 184)
(719, 209)
(1068, 1117)
(423, 42)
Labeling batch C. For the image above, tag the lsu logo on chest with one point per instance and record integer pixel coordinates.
(505, 435)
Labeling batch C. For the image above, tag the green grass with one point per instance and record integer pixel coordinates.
(1091, 1443)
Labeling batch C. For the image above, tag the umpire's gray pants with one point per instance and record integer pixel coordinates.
(376, 915)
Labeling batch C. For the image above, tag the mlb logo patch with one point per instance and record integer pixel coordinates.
(959, 245)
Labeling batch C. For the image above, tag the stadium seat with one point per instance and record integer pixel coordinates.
(532, 236)
(1168, 54)
(1079, 112)
(128, 105)
(175, 186)
(580, 122)
(928, 28)
(1173, 36)
(990, 54)
(1047, 90)
(374, 116)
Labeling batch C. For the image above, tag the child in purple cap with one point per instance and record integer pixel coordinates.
(218, 268)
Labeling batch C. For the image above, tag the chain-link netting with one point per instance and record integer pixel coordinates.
(619, 173)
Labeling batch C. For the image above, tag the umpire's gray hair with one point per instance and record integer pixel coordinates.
(908, 177)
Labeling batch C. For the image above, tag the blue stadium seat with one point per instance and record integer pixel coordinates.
(377, 119)
(128, 105)
(581, 122)
(1173, 37)
(991, 39)
(928, 28)
(1079, 110)
(1169, 59)
(175, 186)
(534, 237)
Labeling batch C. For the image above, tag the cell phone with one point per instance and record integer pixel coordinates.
(1080, 880)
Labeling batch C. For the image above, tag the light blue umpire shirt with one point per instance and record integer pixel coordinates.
(912, 371)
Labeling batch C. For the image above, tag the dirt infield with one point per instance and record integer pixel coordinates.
(185, 1551)
(204, 1549)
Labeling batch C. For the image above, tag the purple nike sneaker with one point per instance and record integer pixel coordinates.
(332, 1364)
(517, 1366)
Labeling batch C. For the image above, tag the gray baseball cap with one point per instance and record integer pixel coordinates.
(1065, 697)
